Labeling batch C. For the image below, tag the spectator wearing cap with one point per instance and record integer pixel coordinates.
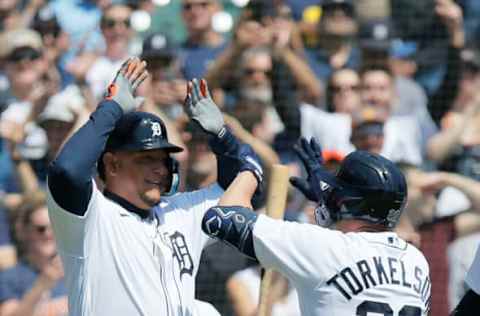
(30, 85)
(64, 112)
(167, 88)
(203, 43)
(335, 48)
(402, 55)
(380, 48)
(117, 32)
(367, 129)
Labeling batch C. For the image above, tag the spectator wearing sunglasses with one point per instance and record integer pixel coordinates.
(117, 32)
(34, 286)
(334, 46)
(30, 86)
(166, 85)
(203, 43)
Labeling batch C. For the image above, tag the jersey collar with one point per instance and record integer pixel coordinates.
(144, 214)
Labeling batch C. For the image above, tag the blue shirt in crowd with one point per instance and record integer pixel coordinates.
(18, 280)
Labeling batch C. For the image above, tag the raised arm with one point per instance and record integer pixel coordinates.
(232, 156)
(70, 174)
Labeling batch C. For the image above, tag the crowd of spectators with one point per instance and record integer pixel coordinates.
(398, 78)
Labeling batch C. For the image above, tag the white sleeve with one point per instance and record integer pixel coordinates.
(302, 252)
(473, 275)
(194, 205)
(71, 230)
(204, 199)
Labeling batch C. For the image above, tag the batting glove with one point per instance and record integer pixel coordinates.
(128, 78)
(200, 107)
(318, 179)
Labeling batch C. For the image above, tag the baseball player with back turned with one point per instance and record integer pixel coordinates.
(134, 248)
(361, 267)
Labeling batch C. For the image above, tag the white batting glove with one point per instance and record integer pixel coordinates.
(200, 107)
(132, 73)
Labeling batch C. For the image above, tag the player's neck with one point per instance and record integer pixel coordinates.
(354, 225)
(143, 212)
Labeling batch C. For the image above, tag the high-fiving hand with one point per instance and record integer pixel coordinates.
(132, 73)
(200, 107)
(318, 177)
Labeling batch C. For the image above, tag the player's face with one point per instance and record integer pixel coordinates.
(144, 176)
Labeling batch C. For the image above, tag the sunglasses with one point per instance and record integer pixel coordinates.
(252, 71)
(190, 5)
(24, 53)
(110, 23)
(338, 88)
(41, 229)
(54, 31)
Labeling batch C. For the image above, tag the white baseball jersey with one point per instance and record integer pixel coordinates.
(473, 275)
(117, 263)
(340, 274)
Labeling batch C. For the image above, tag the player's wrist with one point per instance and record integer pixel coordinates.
(224, 142)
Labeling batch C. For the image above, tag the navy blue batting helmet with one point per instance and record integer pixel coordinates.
(368, 187)
(141, 131)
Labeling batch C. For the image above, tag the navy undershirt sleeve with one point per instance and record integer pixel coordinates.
(70, 174)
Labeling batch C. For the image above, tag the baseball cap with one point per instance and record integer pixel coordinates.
(327, 3)
(347, 5)
(61, 105)
(158, 45)
(367, 121)
(376, 34)
(45, 21)
(402, 49)
(19, 38)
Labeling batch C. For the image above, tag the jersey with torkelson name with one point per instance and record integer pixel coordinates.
(340, 274)
(117, 263)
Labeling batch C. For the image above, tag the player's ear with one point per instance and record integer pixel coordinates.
(111, 164)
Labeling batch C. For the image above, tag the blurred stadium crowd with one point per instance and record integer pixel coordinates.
(399, 78)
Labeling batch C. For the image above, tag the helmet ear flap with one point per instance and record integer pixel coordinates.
(173, 169)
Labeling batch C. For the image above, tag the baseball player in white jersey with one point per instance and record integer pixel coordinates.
(134, 248)
(361, 267)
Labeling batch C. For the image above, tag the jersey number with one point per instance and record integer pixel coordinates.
(384, 309)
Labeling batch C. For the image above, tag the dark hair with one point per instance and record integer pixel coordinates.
(104, 19)
(32, 203)
(375, 67)
(22, 217)
(328, 93)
